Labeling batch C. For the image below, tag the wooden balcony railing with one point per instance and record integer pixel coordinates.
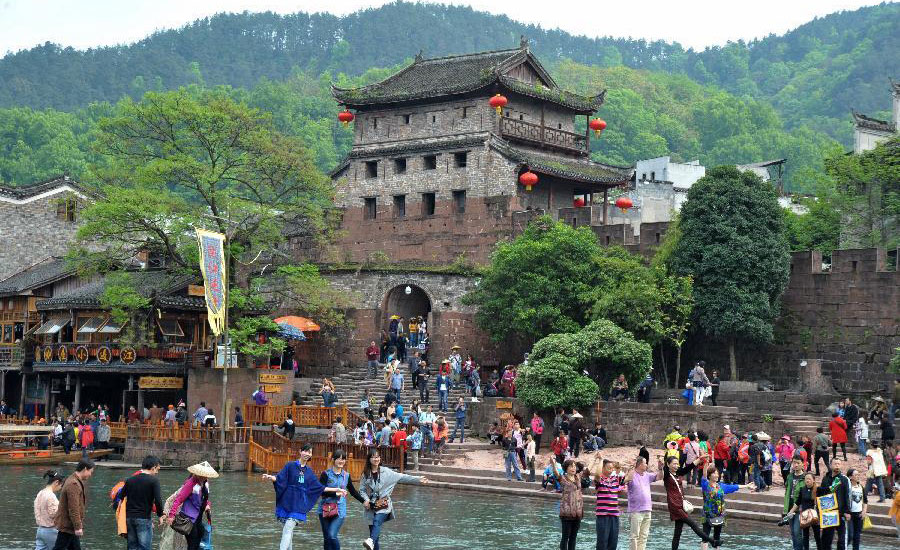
(11, 356)
(270, 452)
(304, 416)
(187, 433)
(542, 135)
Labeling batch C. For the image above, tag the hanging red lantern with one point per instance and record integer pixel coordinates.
(528, 179)
(624, 203)
(597, 125)
(346, 117)
(579, 202)
(498, 102)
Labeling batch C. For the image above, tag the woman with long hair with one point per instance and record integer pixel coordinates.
(333, 506)
(675, 503)
(805, 505)
(376, 485)
(192, 503)
(571, 505)
(45, 505)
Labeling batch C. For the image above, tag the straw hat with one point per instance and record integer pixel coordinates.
(763, 436)
(455, 347)
(878, 398)
(203, 470)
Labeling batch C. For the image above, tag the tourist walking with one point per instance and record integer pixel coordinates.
(372, 355)
(805, 514)
(675, 502)
(821, 445)
(861, 435)
(836, 482)
(511, 445)
(875, 458)
(608, 485)
(784, 452)
(442, 385)
(45, 506)
(577, 430)
(714, 504)
(422, 383)
(858, 507)
(191, 504)
(143, 496)
(640, 504)
(69, 519)
(793, 482)
(460, 413)
(397, 382)
(838, 428)
(296, 491)
(571, 504)
(851, 415)
(537, 428)
(377, 485)
(700, 382)
(333, 506)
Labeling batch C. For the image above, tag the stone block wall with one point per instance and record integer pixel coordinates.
(425, 121)
(32, 232)
(184, 454)
(205, 384)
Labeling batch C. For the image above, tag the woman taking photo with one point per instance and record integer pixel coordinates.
(675, 502)
(191, 501)
(296, 492)
(805, 505)
(571, 505)
(714, 503)
(45, 505)
(333, 506)
(376, 485)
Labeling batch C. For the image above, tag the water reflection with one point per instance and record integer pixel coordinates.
(426, 518)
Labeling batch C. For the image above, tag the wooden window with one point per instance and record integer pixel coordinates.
(465, 112)
(459, 202)
(460, 159)
(170, 327)
(399, 166)
(65, 210)
(374, 123)
(428, 204)
(521, 117)
(429, 162)
(433, 119)
(399, 206)
(370, 210)
(407, 119)
(371, 168)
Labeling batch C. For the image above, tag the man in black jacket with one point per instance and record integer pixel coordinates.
(851, 415)
(836, 482)
(143, 498)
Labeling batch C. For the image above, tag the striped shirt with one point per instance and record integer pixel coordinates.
(608, 489)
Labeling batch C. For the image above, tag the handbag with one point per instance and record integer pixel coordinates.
(867, 523)
(808, 517)
(685, 503)
(380, 504)
(329, 509)
(182, 524)
(716, 521)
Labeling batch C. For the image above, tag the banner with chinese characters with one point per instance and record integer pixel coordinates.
(160, 383)
(212, 265)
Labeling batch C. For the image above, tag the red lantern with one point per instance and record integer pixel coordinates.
(579, 202)
(624, 203)
(528, 179)
(498, 102)
(597, 125)
(346, 117)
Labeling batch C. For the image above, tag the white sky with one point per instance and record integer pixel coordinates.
(693, 23)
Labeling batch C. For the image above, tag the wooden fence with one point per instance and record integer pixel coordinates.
(187, 433)
(304, 416)
(270, 451)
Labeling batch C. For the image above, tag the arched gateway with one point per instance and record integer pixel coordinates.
(407, 301)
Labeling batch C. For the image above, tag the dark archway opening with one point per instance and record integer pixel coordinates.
(414, 304)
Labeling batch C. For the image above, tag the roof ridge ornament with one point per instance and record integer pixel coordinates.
(523, 42)
(419, 56)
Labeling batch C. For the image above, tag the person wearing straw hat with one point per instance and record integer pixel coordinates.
(191, 501)
(297, 488)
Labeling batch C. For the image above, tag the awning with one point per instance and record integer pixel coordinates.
(111, 327)
(54, 325)
(93, 324)
(299, 323)
(170, 327)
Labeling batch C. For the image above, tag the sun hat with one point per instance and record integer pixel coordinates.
(763, 436)
(203, 469)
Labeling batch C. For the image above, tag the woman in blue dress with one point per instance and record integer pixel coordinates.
(296, 491)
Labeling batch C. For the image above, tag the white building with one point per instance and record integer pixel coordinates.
(869, 132)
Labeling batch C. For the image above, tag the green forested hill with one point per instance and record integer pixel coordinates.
(780, 96)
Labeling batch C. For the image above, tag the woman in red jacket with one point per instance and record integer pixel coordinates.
(838, 435)
(721, 454)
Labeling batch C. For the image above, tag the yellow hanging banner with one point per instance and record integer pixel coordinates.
(212, 265)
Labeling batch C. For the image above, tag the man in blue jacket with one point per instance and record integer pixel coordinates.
(442, 385)
(296, 491)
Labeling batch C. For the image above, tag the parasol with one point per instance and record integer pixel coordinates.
(299, 323)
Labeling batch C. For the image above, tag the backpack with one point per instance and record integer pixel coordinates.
(767, 456)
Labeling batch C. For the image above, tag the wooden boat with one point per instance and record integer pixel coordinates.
(12, 450)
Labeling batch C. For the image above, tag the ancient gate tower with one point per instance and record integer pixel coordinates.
(433, 179)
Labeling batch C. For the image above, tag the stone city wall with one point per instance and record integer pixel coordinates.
(33, 232)
(184, 454)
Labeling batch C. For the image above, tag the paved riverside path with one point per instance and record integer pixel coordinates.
(762, 507)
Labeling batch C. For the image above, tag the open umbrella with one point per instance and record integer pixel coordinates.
(394, 317)
(290, 332)
(299, 323)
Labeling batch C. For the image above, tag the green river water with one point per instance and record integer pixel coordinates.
(427, 518)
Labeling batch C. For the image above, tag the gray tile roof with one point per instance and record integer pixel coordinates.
(564, 167)
(22, 192)
(42, 273)
(460, 74)
(148, 283)
(870, 123)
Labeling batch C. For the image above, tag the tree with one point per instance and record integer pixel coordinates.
(733, 244)
(555, 375)
(677, 304)
(540, 283)
(181, 160)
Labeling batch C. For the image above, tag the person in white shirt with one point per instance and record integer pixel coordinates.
(877, 470)
(861, 429)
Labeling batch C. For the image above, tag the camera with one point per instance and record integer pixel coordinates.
(785, 520)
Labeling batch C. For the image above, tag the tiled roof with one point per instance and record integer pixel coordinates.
(148, 283)
(564, 167)
(23, 192)
(870, 123)
(459, 74)
(42, 273)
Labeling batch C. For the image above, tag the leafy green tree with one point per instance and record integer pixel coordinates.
(677, 305)
(733, 244)
(537, 284)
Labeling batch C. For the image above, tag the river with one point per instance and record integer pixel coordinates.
(426, 518)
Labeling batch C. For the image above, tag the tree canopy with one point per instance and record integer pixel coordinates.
(733, 244)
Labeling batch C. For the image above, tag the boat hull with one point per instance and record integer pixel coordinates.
(32, 456)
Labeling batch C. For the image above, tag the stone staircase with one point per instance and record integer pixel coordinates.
(351, 384)
(763, 507)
